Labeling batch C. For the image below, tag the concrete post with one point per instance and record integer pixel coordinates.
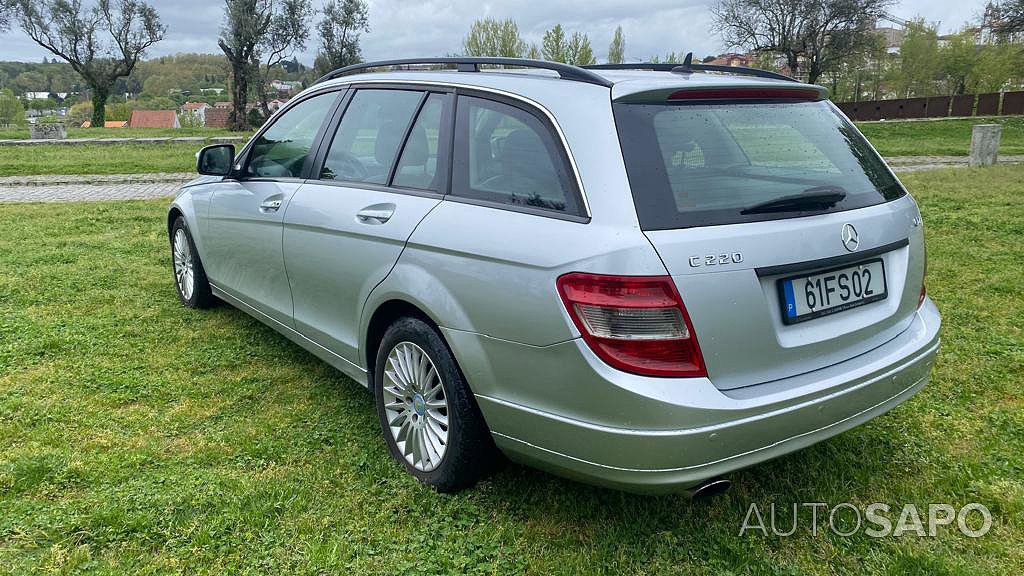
(985, 144)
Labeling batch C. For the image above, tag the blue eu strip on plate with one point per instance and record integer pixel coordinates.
(790, 302)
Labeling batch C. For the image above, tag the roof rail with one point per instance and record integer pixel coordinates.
(472, 64)
(688, 66)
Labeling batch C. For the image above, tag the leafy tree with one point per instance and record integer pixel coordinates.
(814, 35)
(617, 49)
(489, 37)
(574, 50)
(287, 34)
(553, 45)
(920, 61)
(78, 36)
(578, 50)
(958, 56)
(996, 65)
(340, 28)
(79, 113)
(12, 113)
(40, 104)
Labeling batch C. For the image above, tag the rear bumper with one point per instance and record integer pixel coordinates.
(560, 408)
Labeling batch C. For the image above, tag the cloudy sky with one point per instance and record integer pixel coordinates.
(412, 28)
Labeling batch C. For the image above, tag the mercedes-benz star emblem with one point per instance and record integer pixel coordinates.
(850, 238)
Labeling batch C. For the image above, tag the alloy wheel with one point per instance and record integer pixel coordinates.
(184, 271)
(416, 406)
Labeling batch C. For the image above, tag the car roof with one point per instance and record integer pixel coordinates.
(542, 84)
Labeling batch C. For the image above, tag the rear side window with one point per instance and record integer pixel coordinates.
(280, 152)
(506, 155)
(417, 168)
(708, 164)
(367, 140)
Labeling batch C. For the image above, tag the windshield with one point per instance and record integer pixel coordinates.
(708, 164)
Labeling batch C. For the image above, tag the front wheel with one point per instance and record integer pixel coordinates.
(189, 275)
(430, 420)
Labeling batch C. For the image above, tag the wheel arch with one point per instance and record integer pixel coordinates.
(184, 207)
(383, 316)
(172, 215)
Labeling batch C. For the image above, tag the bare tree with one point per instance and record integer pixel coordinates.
(79, 37)
(617, 49)
(286, 35)
(339, 29)
(1009, 16)
(815, 35)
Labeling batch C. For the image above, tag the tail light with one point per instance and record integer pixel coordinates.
(924, 291)
(637, 324)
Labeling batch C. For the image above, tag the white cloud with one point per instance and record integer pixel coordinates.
(411, 28)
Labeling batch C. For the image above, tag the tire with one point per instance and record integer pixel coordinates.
(189, 276)
(468, 452)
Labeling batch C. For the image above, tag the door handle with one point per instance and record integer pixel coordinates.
(270, 205)
(376, 214)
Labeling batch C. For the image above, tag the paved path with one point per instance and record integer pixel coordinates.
(90, 187)
(144, 186)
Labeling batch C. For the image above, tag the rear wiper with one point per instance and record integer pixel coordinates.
(817, 198)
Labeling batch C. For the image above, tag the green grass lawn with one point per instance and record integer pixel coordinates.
(98, 158)
(137, 436)
(23, 134)
(940, 137)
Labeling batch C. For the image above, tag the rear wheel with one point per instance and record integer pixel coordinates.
(430, 420)
(189, 275)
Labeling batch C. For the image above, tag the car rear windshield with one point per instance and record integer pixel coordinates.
(707, 164)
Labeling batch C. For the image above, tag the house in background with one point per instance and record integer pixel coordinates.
(154, 119)
(197, 109)
(217, 117)
(733, 59)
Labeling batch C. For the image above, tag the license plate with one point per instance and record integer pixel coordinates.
(811, 296)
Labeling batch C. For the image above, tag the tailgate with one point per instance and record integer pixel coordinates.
(735, 302)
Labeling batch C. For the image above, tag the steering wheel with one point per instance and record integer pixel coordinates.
(342, 165)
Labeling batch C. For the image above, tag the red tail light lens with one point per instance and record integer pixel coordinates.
(637, 324)
(924, 291)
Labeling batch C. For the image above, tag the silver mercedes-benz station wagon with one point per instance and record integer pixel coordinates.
(642, 276)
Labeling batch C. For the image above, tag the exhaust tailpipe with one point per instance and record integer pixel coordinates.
(708, 488)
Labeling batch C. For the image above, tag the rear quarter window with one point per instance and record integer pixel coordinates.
(507, 156)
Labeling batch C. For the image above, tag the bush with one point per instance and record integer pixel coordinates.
(12, 112)
(79, 113)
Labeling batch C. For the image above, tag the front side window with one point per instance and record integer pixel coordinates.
(508, 156)
(281, 151)
(708, 164)
(369, 135)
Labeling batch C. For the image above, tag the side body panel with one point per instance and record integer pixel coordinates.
(335, 259)
(243, 248)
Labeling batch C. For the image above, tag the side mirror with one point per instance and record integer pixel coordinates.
(215, 160)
